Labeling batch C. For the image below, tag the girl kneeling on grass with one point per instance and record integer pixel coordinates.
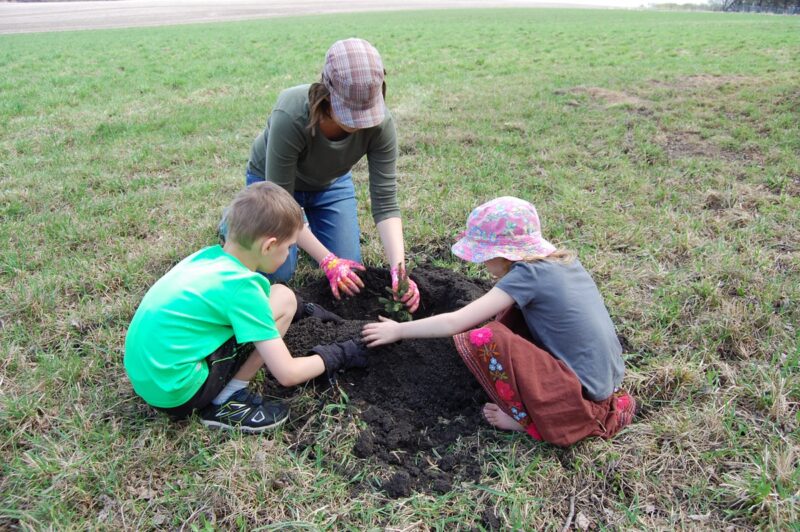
(550, 360)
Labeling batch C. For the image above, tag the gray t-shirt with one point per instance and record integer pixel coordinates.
(285, 153)
(566, 315)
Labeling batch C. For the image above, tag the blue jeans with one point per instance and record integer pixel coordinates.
(332, 217)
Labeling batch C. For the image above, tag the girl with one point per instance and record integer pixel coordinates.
(551, 360)
(314, 136)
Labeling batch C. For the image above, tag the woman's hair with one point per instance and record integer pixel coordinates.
(319, 104)
(262, 209)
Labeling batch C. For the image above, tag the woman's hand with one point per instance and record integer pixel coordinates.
(411, 296)
(341, 276)
(385, 331)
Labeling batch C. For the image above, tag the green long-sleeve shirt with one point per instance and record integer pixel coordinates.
(286, 154)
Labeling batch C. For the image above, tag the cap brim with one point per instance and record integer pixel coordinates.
(358, 119)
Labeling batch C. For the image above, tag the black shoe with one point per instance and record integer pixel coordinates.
(245, 411)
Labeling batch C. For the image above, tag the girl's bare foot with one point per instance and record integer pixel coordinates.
(498, 418)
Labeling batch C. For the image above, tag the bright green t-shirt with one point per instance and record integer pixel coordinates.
(196, 307)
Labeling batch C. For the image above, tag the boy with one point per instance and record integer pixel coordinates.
(205, 328)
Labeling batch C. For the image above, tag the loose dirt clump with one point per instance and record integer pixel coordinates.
(417, 399)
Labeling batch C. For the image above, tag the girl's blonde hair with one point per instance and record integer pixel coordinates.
(560, 255)
(319, 104)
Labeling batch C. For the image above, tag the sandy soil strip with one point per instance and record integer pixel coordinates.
(66, 16)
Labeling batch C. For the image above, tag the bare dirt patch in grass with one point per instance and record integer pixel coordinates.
(607, 97)
(705, 81)
(688, 143)
(788, 263)
(792, 187)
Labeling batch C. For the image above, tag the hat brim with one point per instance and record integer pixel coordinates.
(358, 119)
(473, 251)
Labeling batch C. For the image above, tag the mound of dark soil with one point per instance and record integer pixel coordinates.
(417, 397)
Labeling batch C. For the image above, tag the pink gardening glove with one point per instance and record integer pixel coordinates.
(411, 297)
(341, 276)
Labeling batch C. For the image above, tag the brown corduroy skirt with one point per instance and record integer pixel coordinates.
(539, 391)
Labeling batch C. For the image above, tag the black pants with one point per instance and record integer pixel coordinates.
(222, 366)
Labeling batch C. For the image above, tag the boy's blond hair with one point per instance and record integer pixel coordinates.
(262, 209)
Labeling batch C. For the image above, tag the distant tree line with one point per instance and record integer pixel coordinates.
(787, 7)
(781, 7)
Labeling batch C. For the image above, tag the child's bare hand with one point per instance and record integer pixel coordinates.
(383, 332)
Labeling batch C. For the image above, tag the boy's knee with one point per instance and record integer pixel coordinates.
(283, 300)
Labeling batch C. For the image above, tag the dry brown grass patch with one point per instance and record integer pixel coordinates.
(608, 97)
(689, 143)
(788, 262)
(662, 383)
(705, 81)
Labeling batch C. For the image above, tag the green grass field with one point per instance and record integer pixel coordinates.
(663, 147)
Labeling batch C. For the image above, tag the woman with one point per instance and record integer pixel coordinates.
(314, 136)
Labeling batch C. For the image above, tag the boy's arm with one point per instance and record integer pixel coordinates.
(328, 358)
(287, 369)
(477, 312)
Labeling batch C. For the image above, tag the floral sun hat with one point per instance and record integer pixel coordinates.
(505, 227)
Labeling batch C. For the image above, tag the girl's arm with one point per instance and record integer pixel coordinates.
(482, 309)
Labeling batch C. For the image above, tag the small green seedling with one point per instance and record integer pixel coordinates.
(396, 310)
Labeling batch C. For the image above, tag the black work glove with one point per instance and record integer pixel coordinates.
(312, 310)
(342, 355)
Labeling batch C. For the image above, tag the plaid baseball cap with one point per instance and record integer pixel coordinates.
(353, 74)
(505, 227)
